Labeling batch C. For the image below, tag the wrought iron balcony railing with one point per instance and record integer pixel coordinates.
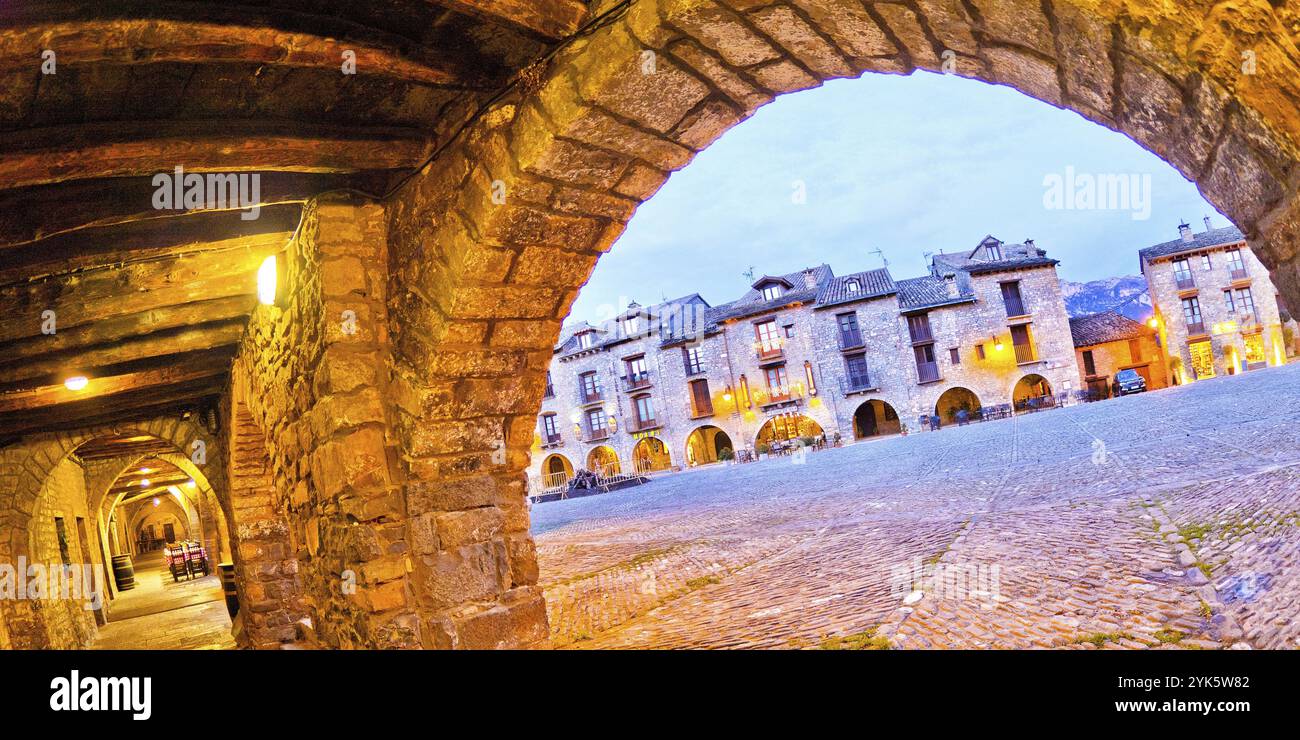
(635, 382)
(855, 383)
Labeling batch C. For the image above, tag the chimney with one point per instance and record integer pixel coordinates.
(1185, 231)
(809, 278)
(1207, 224)
(950, 282)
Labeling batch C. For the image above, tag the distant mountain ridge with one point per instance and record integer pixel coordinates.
(1106, 294)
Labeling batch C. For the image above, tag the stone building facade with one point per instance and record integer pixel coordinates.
(1108, 342)
(805, 354)
(1215, 305)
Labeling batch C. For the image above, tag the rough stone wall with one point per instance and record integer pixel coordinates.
(68, 625)
(965, 325)
(890, 363)
(313, 376)
(740, 346)
(1210, 284)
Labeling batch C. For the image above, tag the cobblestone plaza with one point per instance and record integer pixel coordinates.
(1091, 526)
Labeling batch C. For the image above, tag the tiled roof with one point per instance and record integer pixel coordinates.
(1203, 240)
(1107, 326)
(926, 292)
(608, 333)
(1016, 263)
(820, 274)
(1014, 257)
(742, 307)
(871, 284)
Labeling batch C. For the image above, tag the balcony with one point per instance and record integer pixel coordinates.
(586, 396)
(1184, 281)
(856, 384)
(1238, 273)
(643, 425)
(550, 391)
(1025, 353)
(850, 340)
(552, 440)
(596, 435)
(694, 369)
(920, 334)
(1196, 328)
(635, 382)
(770, 352)
(1015, 307)
(927, 372)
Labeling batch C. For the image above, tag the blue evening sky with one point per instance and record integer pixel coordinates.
(906, 165)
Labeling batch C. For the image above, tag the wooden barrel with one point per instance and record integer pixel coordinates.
(228, 588)
(123, 572)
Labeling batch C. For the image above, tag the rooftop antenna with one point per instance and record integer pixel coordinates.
(883, 258)
(749, 273)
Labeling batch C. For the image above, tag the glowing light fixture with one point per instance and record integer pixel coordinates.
(156, 501)
(266, 281)
(1154, 323)
(75, 383)
(146, 471)
(190, 483)
(144, 482)
(997, 344)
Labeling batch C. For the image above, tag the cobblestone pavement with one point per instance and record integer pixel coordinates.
(1165, 520)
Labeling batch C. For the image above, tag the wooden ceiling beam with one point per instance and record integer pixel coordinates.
(146, 148)
(144, 404)
(181, 232)
(209, 33)
(552, 19)
(104, 450)
(124, 356)
(41, 212)
(95, 296)
(123, 328)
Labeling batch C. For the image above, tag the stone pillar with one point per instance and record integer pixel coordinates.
(316, 370)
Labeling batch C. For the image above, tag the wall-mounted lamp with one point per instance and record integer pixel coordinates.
(266, 282)
(75, 383)
(997, 344)
(808, 373)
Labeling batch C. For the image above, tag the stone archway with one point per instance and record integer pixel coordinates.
(556, 471)
(954, 400)
(875, 418)
(786, 428)
(1031, 392)
(650, 455)
(41, 462)
(483, 251)
(706, 444)
(603, 460)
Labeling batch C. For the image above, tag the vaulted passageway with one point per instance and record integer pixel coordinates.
(431, 219)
